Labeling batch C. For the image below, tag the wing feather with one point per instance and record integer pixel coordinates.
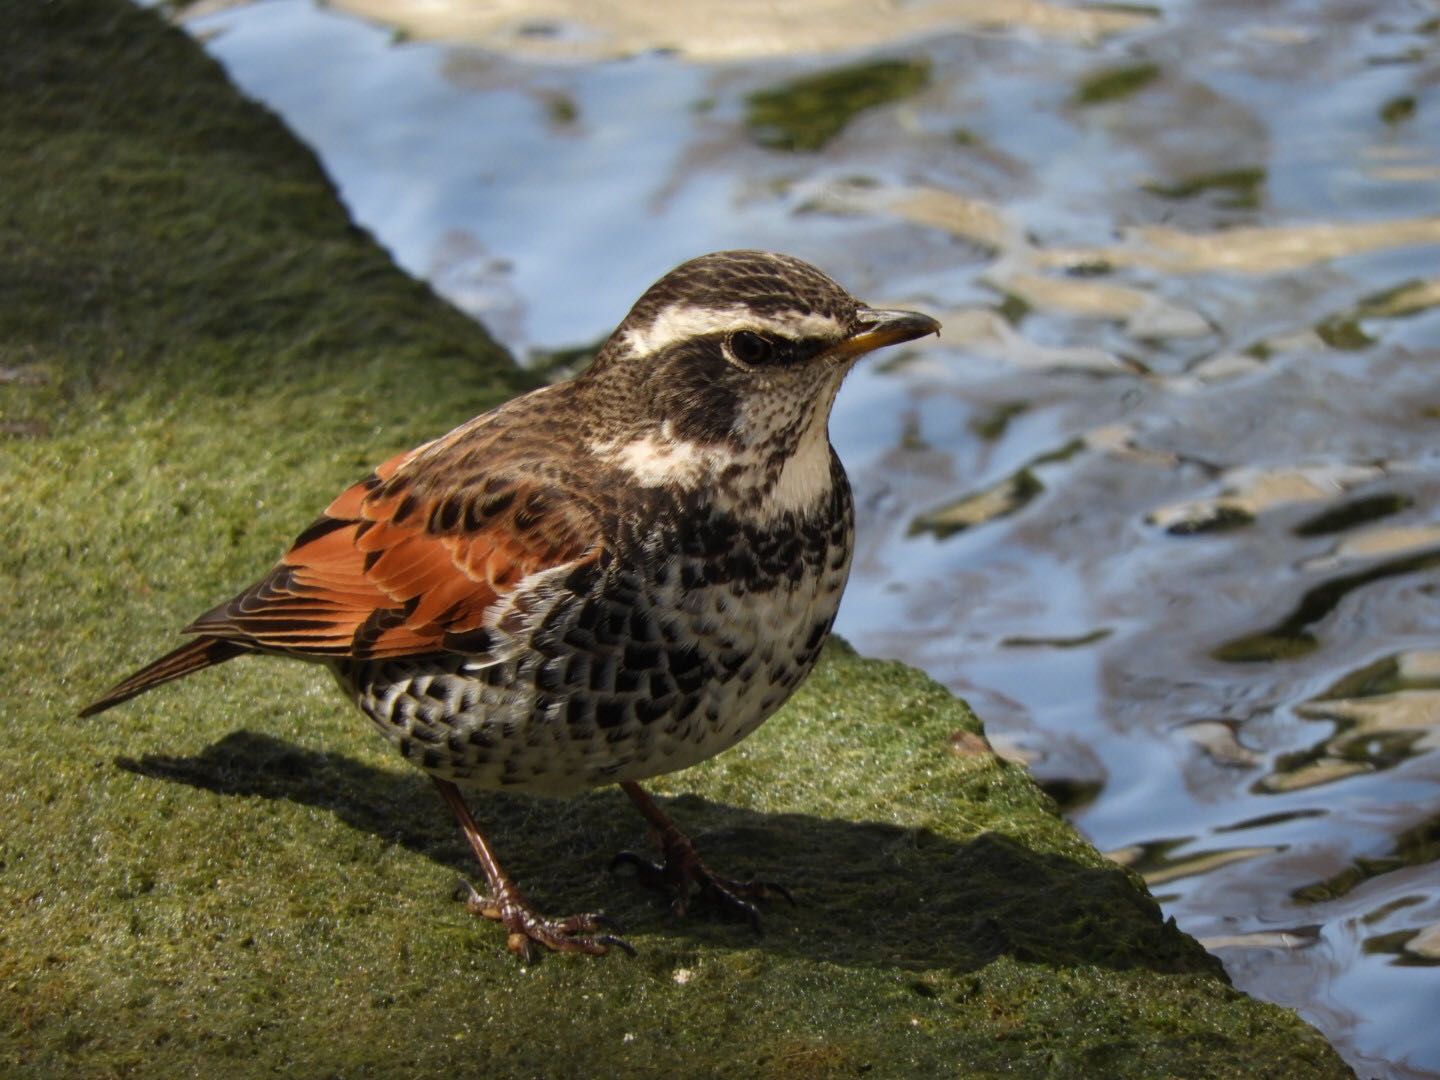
(401, 564)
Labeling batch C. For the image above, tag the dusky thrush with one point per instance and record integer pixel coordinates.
(600, 581)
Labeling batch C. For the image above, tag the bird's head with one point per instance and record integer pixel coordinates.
(741, 348)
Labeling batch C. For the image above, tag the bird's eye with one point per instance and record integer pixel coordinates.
(750, 348)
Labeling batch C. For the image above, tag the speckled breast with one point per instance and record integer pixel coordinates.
(673, 649)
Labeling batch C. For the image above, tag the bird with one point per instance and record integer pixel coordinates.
(600, 581)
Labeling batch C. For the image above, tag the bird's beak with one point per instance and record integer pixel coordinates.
(875, 328)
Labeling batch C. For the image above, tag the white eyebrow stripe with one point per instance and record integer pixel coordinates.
(679, 323)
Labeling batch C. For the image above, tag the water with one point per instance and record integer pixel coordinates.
(1163, 503)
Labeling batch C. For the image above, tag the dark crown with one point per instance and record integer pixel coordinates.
(767, 283)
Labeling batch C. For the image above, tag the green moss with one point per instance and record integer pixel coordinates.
(1090, 268)
(1353, 514)
(1381, 677)
(1418, 845)
(1221, 517)
(1013, 309)
(561, 109)
(233, 877)
(1077, 641)
(1294, 636)
(806, 113)
(1239, 188)
(1411, 297)
(1343, 332)
(1398, 109)
(1115, 83)
(1063, 452)
(1264, 647)
(999, 500)
(994, 424)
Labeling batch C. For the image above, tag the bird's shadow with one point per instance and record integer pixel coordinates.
(868, 893)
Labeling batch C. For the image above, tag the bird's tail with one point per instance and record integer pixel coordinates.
(191, 657)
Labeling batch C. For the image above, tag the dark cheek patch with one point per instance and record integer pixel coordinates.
(696, 393)
(699, 390)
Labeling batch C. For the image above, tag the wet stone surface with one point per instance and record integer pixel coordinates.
(1162, 503)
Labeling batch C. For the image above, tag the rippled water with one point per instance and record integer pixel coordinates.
(1164, 502)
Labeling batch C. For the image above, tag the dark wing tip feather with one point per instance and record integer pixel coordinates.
(188, 658)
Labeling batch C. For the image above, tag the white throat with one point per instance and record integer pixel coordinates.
(805, 478)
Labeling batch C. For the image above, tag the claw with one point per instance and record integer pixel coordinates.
(675, 878)
(507, 905)
(619, 943)
(527, 927)
(766, 890)
(681, 868)
(648, 873)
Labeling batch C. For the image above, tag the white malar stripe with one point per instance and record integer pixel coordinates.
(805, 477)
(680, 323)
(659, 457)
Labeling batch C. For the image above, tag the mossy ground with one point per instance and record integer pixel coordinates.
(231, 876)
(804, 114)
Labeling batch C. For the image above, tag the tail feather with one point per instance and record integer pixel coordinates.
(191, 657)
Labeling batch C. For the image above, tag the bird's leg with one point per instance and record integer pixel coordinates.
(506, 904)
(683, 867)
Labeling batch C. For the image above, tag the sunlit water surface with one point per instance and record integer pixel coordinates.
(1164, 501)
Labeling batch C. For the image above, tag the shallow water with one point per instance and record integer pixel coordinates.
(1164, 501)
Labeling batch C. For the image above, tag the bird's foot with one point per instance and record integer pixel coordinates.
(527, 927)
(682, 870)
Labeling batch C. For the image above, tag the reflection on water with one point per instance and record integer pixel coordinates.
(1164, 503)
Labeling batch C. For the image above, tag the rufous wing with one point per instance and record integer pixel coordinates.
(399, 567)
